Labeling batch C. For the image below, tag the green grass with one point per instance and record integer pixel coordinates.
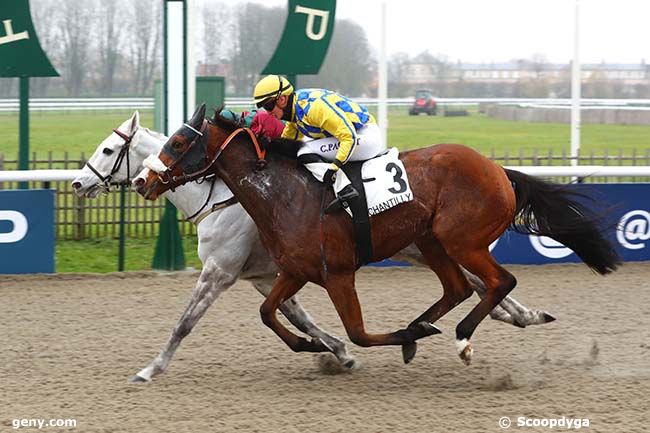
(76, 132)
(100, 255)
(81, 132)
(484, 134)
(56, 132)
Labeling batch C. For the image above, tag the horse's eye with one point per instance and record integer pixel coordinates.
(107, 151)
(176, 145)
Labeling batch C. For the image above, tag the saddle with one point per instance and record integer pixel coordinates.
(382, 184)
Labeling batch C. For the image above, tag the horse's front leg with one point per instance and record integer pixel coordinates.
(294, 312)
(340, 288)
(212, 282)
(284, 288)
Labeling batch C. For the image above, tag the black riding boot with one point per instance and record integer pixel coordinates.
(341, 201)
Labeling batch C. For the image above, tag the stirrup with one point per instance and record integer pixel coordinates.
(341, 201)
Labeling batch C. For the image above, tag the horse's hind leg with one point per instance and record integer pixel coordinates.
(293, 311)
(509, 310)
(499, 283)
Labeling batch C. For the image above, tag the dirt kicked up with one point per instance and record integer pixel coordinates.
(68, 344)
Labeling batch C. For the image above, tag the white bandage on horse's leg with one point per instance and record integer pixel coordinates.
(153, 163)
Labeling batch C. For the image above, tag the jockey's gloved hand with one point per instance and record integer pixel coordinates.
(330, 175)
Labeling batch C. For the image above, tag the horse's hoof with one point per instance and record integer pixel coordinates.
(465, 351)
(424, 329)
(350, 364)
(518, 323)
(548, 318)
(137, 379)
(408, 351)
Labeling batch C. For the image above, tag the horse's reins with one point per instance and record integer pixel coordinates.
(167, 177)
(215, 207)
(204, 172)
(124, 154)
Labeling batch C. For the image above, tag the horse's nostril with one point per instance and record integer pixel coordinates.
(76, 185)
(138, 182)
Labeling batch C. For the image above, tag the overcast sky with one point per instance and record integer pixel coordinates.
(500, 30)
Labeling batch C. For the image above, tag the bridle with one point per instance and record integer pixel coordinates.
(167, 177)
(107, 180)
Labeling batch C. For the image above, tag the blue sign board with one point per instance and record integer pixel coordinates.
(26, 231)
(627, 207)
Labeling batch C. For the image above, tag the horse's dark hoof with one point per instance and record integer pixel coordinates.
(137, 379)
(548, 318)
(350, 364)
(408, 351)
(423, 329)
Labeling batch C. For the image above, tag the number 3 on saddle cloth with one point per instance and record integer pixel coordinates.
(382, 184)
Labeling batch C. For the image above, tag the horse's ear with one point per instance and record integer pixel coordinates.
(135, 121)
(197, 118)
(217, 112)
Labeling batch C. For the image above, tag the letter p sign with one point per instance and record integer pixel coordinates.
(311, 15)
(19, 229)
(306, 37)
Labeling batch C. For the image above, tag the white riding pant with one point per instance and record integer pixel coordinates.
(369, 144)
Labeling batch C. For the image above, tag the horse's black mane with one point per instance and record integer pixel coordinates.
(280, 146)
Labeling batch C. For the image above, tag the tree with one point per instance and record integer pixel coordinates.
(74, 24)
(144, 43)
(44, 13)
(217, 32)
(256, 35)
(109, 43)
(348, 63)
(539, 64)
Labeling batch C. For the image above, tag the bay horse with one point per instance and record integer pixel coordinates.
(462, 203)
(228, 244)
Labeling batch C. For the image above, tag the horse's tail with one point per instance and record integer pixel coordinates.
(548, 209)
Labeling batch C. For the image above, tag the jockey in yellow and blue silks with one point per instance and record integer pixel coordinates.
(334, 128)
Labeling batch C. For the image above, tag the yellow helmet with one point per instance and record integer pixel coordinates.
(271, 87)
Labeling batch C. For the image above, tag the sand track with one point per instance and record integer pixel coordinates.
(68, 344)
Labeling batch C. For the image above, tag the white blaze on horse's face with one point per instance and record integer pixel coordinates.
(87, 183)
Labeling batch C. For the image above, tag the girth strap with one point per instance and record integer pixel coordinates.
(360, 218)
(215, 207)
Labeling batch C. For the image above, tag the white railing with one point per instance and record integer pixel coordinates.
(540, 171)
(38, 175)
(74, 104)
